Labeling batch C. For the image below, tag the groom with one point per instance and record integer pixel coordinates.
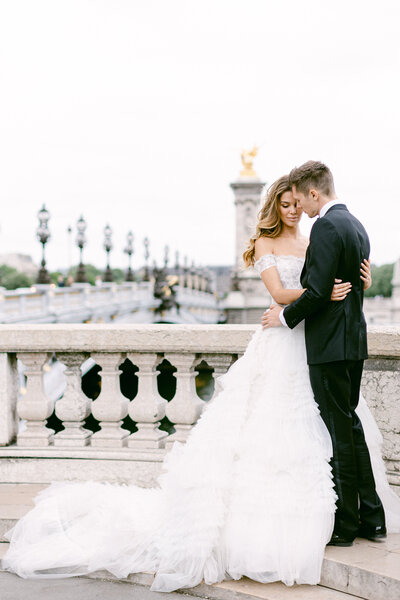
(336, 342)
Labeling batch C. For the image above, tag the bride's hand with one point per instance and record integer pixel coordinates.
(366, 273)
(340, 290)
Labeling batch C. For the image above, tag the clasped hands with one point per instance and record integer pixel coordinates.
(271, 317)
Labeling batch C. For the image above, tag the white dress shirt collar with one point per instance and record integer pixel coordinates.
(327, 206)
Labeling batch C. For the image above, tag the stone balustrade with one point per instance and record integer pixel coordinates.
(114, 451)
(108, 301)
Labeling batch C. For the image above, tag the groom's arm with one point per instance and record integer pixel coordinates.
(323, 258)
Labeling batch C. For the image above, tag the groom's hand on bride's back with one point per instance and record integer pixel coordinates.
(340, 290)
(366, 273)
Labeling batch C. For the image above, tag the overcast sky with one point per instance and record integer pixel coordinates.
(134, 112)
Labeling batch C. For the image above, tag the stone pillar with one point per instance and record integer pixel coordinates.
(111, 406)
(247, 192)
(148, 408)
(74, 406)
(35, 406)
(249, 297)
(8, 398)
(381, 390)
(185, 407)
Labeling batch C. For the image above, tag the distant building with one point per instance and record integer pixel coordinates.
(21, 262)
(222, 279)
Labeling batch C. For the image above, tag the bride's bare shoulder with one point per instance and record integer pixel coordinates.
(263, 245)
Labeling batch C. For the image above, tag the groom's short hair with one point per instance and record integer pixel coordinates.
(312, 174)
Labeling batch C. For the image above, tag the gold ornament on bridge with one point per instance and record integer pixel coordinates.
(248, 157)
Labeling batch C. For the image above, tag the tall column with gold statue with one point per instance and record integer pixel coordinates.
(248, 297)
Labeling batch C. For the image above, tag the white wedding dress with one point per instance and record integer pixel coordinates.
(250, 493)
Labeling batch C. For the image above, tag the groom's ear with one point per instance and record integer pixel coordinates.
(314, 193)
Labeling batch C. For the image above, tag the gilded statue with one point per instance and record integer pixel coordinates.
(248, 157)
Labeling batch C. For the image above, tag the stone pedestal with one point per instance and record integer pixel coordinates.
(111, 406)
(73, 408)
(248, 298)
(148, 408)
(35, 406)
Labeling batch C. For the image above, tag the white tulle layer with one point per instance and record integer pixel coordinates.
(250, 493)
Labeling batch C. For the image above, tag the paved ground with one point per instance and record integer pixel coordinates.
(344, 568)
(13, 587)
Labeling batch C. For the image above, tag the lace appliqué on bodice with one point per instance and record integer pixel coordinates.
(289, 268)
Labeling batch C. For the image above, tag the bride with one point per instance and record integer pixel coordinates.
(251, 491)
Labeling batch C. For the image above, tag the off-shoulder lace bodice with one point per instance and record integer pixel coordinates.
(289, 268)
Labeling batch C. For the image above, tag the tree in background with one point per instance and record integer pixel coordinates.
(12, 279)
(118, 275)
(381, 281)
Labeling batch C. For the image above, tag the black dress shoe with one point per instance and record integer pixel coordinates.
(374, 534)
(339, 540)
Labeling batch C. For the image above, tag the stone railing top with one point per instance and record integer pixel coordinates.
(382, 341)
(125, 338)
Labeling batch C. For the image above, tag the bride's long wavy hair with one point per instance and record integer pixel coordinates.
(269, 219)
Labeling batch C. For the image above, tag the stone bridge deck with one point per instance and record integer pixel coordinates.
(366, 570)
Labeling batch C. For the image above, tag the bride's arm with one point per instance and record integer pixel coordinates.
(273, 284)
(270, 276)
(281, 295)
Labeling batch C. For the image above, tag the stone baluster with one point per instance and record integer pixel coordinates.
(111, 406)
(74, 406)
(35, 406)
(220, 364)
(185, 407)
(148, 408)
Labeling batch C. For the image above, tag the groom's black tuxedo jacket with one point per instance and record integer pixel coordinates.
(333, 330)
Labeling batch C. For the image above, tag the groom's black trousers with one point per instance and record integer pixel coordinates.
(336, 387)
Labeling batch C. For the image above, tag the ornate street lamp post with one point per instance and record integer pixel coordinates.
(80, 242)
(177, 269)
(193, 276)
(166, 258)
(108, 276)
(69, 234)
(146, 275)
(185, 272)
(129, 251)
(202, 280)
(43, 235)
(208, 281)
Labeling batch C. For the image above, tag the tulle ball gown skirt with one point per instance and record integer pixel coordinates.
(250, 493)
